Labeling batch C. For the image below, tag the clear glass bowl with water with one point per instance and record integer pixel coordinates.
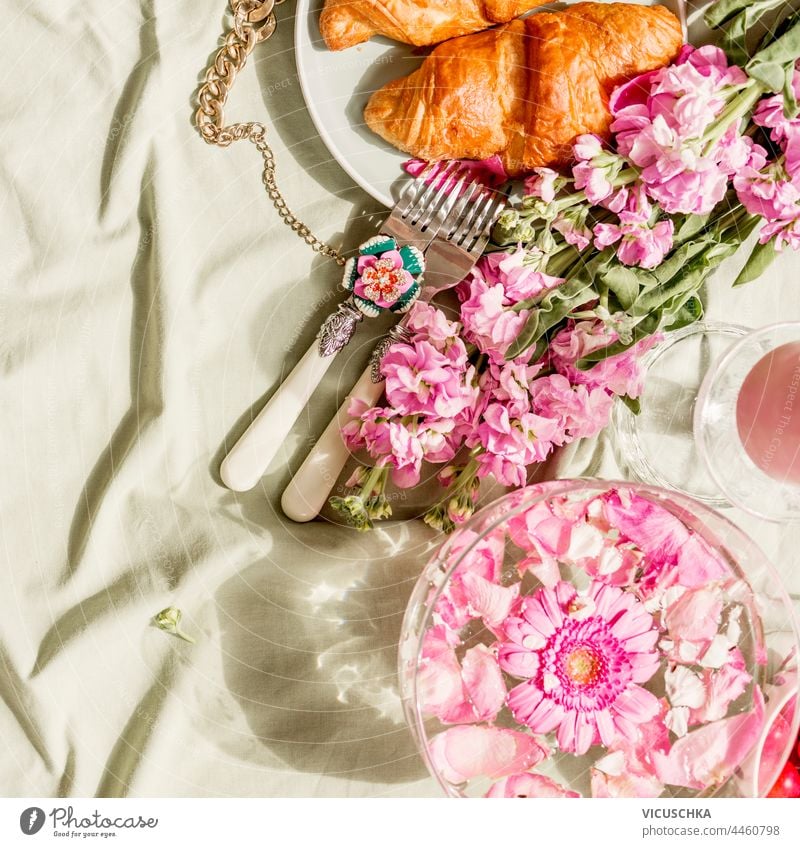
(569, 599)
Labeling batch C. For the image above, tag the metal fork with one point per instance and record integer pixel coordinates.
(452, 254)
(414, 221)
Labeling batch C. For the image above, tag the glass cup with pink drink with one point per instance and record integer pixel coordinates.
(747, 422)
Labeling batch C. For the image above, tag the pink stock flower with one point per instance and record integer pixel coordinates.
(587, 147)
(511, 444)
(620, 375)
(464, 752)
(770, 114)
(404, 455)
(784, 232)
(422, 380)
(368, 428)
(520, 280)
(574, 234)
(509, 382)
(696, 189)
(767, 194)
(583, 672)
(487, 322)
(579, 339)
(659, 120)
(581, 411)
(542, 183)
(427, 323)
(594, 181)
(529, 785)
(641, 245)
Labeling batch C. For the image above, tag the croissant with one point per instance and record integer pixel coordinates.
(344, 23)
(524, 90)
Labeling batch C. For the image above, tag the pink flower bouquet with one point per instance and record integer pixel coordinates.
(587, 270)
(598, 639)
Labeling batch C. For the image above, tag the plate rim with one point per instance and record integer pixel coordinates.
(301, 23)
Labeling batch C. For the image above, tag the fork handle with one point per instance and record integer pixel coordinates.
(310, 487)
(252, 454)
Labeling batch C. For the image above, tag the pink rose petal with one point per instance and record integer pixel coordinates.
(483, 681)
(710, 754)
(529, 785)
(464, 752)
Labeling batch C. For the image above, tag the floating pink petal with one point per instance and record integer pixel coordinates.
(698, 564)
(709, 755)
(483, 681)
(693, 621)
(488, 600)
(529, 785)
(464, 752)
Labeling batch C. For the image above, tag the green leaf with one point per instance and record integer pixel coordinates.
(681, 314)
(624, 282)
(769, 65)
(723, 10)
(677, 260)
(741, 20)
(578, 289)
(761, 257)
(691, 226)
(683, 284)
(632, 403)
(790, 106)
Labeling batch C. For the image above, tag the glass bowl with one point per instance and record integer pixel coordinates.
(592, 638)
(658, 445)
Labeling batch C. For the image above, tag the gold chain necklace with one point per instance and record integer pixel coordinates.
(254, 21)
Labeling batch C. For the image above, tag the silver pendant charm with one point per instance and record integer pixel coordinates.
(338, 328)
(395, 334)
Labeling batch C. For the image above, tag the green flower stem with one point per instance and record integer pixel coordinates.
(375, 481)
(738, 107)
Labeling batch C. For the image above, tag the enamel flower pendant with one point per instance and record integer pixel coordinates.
(382, 278)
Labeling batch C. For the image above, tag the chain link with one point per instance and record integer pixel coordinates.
(253, 22)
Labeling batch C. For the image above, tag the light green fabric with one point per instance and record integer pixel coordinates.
(150, 302)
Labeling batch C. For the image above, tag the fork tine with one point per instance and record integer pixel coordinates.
(472, 216)
(486, 218)
(421, 214)
(462, 194)
(413, 189)
(473, 232)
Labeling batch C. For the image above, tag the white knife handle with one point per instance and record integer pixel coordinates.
(254, 451)
(308, 491)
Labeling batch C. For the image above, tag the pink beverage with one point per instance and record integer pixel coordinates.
(768, 414)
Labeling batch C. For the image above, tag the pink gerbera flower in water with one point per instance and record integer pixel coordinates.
(584, 657)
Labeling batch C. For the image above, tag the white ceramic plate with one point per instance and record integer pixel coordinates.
(337, 86)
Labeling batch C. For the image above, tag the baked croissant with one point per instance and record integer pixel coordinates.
(525, 90)
(344, 23)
